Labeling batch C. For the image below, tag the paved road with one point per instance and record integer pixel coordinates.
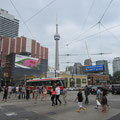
(15, 109)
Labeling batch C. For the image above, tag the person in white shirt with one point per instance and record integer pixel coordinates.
(57, 90)
(9, 91)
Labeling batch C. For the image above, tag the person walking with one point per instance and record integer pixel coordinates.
(80, 100)
(98, 97)
(103, 100)
(40, 91)
(86, 95)
(23, 92)
(27, 93)
(57, 90)
(9, 91)
(44, 93)
(36, 92)
(53, 93)
(5, 93)
(64, 95)
(19, 92)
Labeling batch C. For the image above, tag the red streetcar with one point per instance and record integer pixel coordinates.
(47, 82)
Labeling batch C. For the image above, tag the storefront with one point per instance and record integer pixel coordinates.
(98, 79)
(75, 80)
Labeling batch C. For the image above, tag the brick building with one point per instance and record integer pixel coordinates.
(21, 45)
(94, 79)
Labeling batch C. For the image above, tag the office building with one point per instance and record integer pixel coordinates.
(105, 63)
(9, 25)
(88, 62)
(21, 45)
(116, 64)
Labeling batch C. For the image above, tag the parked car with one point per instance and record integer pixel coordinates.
(115, 89)
(93, 89)
(13, 89)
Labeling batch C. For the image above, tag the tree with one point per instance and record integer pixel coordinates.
(116, 77)
(111, 78)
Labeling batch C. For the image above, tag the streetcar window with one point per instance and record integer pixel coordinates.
(59, 82)
(47, 83)
(39, 83)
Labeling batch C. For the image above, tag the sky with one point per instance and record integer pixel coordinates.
(76, 19)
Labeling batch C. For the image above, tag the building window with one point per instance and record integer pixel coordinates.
(84, 81)
(66, 82)
(78, 82)
(72, 82)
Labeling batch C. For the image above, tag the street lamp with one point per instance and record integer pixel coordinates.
(72, 80)
(55, 73)
(25, 78)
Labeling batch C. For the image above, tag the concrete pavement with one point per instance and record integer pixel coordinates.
(15, 109)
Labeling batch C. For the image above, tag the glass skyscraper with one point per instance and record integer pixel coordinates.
(105, 63)
(116, 64)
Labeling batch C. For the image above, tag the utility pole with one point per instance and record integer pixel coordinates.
(55, 73)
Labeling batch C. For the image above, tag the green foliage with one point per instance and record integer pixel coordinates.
(116, 77)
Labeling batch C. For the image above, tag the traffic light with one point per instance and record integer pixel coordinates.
(33, 76)
(6, 75)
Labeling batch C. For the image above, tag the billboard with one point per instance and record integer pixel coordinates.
(27, 62)
(95, 68)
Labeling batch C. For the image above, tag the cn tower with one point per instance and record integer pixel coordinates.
(57, 38)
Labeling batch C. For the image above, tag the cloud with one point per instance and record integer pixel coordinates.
(72, 15)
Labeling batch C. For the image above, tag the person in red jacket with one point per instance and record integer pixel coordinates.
(53, 95)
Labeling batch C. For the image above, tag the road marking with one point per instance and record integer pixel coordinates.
(11, 114)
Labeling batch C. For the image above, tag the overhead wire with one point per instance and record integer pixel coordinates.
(99, 23)
(90, 36)
(109, 32)
(106, 10)
(40, 11)
(21, 18)
(80, 35)
(85, 21)
(76, 39)
(83, 26)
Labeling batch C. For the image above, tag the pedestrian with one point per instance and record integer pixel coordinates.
(19, 92)
(23, 92)
(64, 95)
(98, 97)
(86, 95)
(27, 93)
(40, 91)
(53, 93)
(9, 91)
(36, 92)
(44, 93)
(80, 100)
(5, 93)
(57, 90)
(103, 100)
(32, 91)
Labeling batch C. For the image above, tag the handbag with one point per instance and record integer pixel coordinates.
(98, 103)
